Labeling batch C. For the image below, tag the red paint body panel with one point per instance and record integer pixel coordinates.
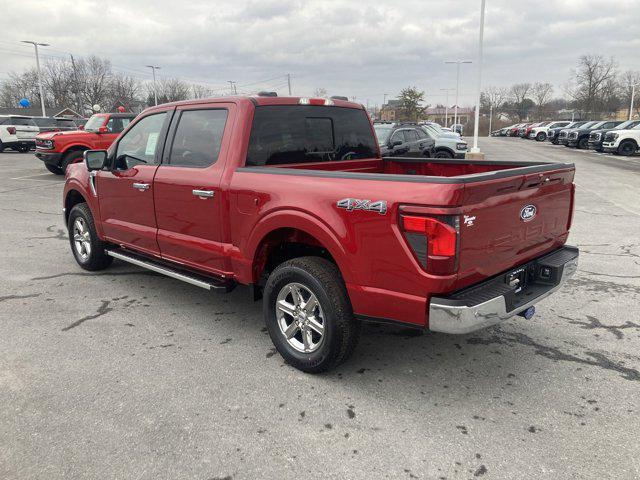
(226, 234)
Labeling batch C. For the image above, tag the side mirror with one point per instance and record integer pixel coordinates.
(95, 159)
(103, 129)
(80, 127)
(395, 143)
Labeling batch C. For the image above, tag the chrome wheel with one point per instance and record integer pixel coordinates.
(81, 238)
(300, 317)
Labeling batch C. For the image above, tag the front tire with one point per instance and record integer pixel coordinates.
(443, 154)
(87, 248)
(541, 137)
(308, 314)
(583, 144)
(54, 169)
(627, 148)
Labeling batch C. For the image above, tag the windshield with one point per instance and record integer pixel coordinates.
(628, 125)
(382, 132)
(65, 122)
(595, 125)
(45, 122)
(94, 123)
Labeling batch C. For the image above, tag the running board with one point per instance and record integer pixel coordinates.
(199, 280)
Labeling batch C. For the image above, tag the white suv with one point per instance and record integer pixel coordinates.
(622, 142)
(17, 133)
(540, 133)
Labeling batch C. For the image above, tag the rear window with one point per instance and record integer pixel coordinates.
(65, 122)
(284, 134)
(45, 122)
(21, 121)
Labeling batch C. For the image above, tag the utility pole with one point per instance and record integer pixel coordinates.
(36, 45)
(233, 86)
(490, 118)
(289, 82)
(75, 78)
(446, 106)
(457, 62)
(633, 94)
(155, 89)
(476, 122)
(384, 99)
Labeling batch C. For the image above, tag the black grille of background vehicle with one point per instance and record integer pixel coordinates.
(594, 137)
(573, 135)
(562, 134)
(609, 137)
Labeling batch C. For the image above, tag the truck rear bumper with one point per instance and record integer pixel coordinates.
(495, 300)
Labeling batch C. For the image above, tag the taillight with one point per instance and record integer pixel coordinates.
(11, 130)
(434, 241)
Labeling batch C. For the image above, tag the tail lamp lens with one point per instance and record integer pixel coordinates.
(11, 130)
(434, 241)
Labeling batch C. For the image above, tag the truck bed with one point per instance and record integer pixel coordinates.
(422, 170)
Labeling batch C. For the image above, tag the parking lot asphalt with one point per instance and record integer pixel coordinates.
(131, 375)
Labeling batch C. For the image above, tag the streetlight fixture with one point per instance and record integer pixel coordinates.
(633, 94)
(155, 90)
(446, 106)
(36, 45)
(455, 107)
(475, 149)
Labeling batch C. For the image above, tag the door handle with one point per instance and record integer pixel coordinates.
(203, 193)
(141, 186)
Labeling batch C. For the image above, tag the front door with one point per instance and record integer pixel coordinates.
(188, 198)
(125, 192)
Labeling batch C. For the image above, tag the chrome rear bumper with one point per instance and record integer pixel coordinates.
(475, 308)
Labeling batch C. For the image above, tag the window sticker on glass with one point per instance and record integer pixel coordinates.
(152, 140)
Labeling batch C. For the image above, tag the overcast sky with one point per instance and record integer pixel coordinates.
(349, 47)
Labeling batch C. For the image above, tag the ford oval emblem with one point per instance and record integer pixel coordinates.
(528, 212)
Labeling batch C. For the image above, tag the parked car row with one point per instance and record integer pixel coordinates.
(18, 132)
(609, 136)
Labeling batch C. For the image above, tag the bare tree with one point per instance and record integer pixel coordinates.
(519, 96)
(58, 79)
(169, 90)
(492, 98)
(591, 85)
(627, 79)
(21, 85)
(320, 93)
(94, 76)
(124, 90)
(200, 91)
(541, 94)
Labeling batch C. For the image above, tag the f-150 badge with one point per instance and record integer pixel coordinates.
(351, 204)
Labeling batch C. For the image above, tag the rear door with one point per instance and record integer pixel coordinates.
(188, 200)
(413, 142)
(125, 192)
(401, 150)
(510, 221)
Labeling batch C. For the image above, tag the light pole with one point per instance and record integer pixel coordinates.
(633, 94)
(490, 118)
(233, 86)
(36, 45)
(476, 122)
(155, 90)
(455, 107)
(446, 106)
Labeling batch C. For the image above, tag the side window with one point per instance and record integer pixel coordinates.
(139, 144)
(397, 137)
(117, 124)
(421, 134)
(198, 137)
(410, 136)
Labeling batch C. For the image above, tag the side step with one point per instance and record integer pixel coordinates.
(174, 271)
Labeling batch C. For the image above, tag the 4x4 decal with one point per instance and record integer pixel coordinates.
(351, 204)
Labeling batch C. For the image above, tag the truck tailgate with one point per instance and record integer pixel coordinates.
(509, 221)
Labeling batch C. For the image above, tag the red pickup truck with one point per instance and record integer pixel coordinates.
(290, 197)
(60, 149)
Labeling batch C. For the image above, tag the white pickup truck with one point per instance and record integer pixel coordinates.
(622, 142)
(540, 133)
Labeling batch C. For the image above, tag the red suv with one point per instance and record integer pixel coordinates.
(60, 149)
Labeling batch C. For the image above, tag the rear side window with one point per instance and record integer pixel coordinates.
(284, 134)
(198, 138)
(410, 135)
(117, 124)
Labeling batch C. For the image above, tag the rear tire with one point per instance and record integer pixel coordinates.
(302, 297)
(443, 154)
(74, 156)
(627, 148)
(87, 248)
(53, 169)
(541, 137)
